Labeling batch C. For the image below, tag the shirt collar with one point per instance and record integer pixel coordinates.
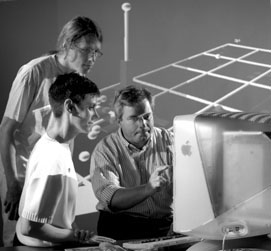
(59, 66)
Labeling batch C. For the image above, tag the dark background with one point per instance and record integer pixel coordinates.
(161, 32)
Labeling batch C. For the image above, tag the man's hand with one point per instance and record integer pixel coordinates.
(158, 178)
(82, 236)
(125, 198)
(12, 200)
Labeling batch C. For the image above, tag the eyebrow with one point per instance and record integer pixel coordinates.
(143, 115)
(132, 116)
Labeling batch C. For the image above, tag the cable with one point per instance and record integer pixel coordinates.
(225, 235)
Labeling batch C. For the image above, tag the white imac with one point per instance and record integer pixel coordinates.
(222, 175)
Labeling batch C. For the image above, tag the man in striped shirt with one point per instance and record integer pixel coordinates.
(131, 171)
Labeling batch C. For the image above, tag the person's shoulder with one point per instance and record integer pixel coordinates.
(36, 64)
(108, 141)
(162, 131)
(42, 63)
(45, 143)
(163, 134)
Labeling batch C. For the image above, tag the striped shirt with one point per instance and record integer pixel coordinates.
(117, 164)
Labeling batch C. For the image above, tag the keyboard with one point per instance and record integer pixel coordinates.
(164, 241)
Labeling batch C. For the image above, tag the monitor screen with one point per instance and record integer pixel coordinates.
(222, 175)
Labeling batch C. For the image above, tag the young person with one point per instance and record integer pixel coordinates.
(47, 204)
(27, 111)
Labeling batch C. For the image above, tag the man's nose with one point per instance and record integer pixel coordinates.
(142, 121)
(92, 57)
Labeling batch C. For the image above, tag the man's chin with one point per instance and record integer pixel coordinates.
(145, 137)
(84, 72)
(87, 69)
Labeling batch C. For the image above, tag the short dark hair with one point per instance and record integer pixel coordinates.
(130, 96)
(70, 86)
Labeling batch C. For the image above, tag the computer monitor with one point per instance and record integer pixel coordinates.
(222, 175)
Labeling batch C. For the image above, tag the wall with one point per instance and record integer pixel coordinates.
(161, 31)
(28, 29)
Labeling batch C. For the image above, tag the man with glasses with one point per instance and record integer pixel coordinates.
(92, 53)
(28, 110)
(131, 172)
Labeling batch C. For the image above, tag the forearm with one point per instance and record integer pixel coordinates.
(47, 232)
(125, 198)
(8, 156)
(54, 234)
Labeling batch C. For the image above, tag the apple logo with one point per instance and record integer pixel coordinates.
(186, 149)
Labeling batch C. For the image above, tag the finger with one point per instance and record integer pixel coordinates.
(16, 217)
(16, 212)
(161, 169)
(12, 212)
(82, 235)
(163, 181)
(76, 233)
(100, 239)
(7, 206)
(23, 158)
(87, 235)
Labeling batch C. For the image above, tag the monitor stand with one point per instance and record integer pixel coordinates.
(262, 242)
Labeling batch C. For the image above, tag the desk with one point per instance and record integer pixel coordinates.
(182, 247)
(25, 248)
(256, 243)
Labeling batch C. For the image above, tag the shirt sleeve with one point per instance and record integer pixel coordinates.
(167, 141)
(170, 145)
(105, 179)
(21, 94)
(43, 193)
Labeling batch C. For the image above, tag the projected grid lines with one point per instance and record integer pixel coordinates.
(233, 76)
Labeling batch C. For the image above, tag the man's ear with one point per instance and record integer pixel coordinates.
(69, 106)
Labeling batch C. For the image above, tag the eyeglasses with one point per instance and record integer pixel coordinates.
(90, 52)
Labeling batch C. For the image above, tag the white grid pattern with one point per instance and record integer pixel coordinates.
(211, 72)
(236, 66)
